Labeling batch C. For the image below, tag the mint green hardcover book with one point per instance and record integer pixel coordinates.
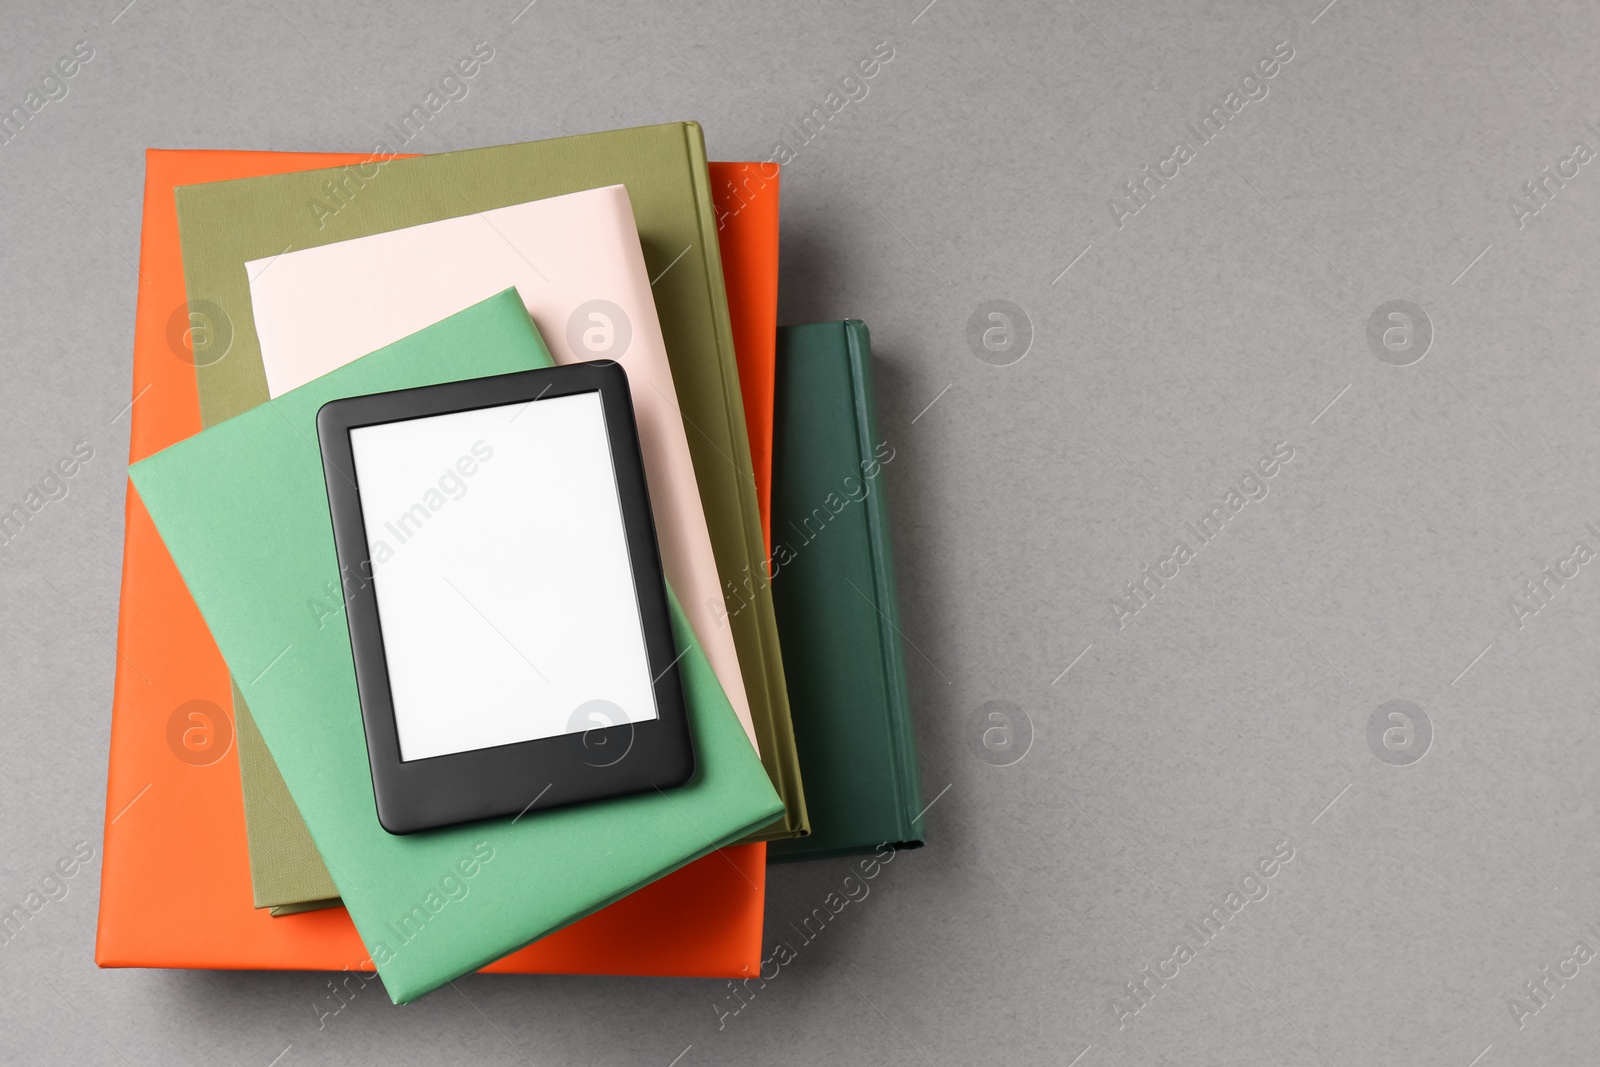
(243, 510)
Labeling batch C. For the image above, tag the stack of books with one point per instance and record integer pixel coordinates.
(241, 829)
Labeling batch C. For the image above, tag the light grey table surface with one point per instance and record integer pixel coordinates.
(1441, 462)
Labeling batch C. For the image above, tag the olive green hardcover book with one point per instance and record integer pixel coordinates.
(224, 225)
(288, 875)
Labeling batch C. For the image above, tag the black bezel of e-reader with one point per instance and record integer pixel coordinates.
(513, 779)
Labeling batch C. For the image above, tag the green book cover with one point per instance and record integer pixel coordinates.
(833, 587)
(224, 225)
(243, 509)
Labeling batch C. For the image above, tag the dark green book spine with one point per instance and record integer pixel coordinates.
(834, 593)
(897, 699)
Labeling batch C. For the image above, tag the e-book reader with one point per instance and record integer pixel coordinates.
(504, 594)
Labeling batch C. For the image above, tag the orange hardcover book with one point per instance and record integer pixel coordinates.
(175, 882)
(746, 196)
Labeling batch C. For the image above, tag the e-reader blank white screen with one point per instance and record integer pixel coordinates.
(500, 563)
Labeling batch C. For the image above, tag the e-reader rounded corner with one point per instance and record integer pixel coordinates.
(393, 824)
(328, 416)
(614, 370)
(686, 772)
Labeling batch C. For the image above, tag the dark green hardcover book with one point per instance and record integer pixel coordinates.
(833, 591)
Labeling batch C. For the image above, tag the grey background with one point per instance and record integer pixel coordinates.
(1230, 714)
